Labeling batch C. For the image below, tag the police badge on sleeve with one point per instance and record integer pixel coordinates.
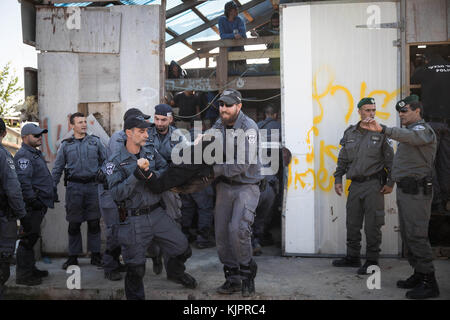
(23, 163)
(110, 168)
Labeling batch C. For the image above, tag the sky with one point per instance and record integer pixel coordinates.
(11, 46)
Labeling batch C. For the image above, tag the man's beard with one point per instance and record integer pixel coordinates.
(231, 120)
(161, 129)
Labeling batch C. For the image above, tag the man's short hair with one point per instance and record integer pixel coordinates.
(270, 109)
(417, 104)
(76, 115)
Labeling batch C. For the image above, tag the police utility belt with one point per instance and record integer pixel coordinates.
(236, 183)
(82, 180)
(146, 210)
(378, 175)
(411, 185)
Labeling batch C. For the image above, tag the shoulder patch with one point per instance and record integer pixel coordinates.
(251, 137)
(110, 168)
(23, 163)
(419, 128)
(11, 164)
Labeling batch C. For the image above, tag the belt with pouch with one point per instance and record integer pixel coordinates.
(146, 210)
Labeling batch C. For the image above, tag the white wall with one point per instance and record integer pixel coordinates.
(328, 65)
(59, 82)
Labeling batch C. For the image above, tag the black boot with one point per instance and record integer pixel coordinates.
(427, 288)
(96, 259)
(248, 274)
(186, 280)
(40, 273)
(363, 270)
(347, 261)
(409, 283)
(230, 286)
(73, 260)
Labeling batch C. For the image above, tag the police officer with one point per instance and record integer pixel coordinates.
(112, 266)
(81, 156)
(38, 194)
(366, 159)
(144, 219)
(12, 208)
(237, 195)
(412, 171)
(200, 203)
(160, 136)
(434, 78)
(270, 197)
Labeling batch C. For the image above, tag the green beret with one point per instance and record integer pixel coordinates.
(367, 100)
(405, 101)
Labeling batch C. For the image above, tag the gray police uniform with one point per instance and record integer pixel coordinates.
(366, 159)
(108, 208)
(164, 145)
(146, 220)
(38, 194)
(81, 159)
(413, 164)
(12, 208)
(236, 200)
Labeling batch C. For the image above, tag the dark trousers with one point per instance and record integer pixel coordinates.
(31, 233)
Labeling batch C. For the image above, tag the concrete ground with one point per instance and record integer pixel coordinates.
(279, 278)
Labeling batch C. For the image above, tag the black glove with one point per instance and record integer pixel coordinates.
(141, 175)
(35, 204)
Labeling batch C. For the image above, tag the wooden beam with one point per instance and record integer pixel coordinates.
(186, 5)
(245, 13)
(209, 84)
(174, 34)
(207, 25)
(259, 21)
(234, 42)
(255, 54)
(222, 67)
(201, 16)
(192, 56)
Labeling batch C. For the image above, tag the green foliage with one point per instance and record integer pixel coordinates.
(8, 89)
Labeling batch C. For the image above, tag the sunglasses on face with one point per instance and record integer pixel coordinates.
(37, 136)
(221, 104)
(403, 111)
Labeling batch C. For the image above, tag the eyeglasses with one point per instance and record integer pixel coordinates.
(403, 110)
(37, 136)
(221, 104)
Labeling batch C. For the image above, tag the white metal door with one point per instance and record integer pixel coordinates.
(328, 64)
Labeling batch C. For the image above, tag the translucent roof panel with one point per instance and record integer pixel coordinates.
(184, 22)
(168, 37)
(177, 52)
(172, 3)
